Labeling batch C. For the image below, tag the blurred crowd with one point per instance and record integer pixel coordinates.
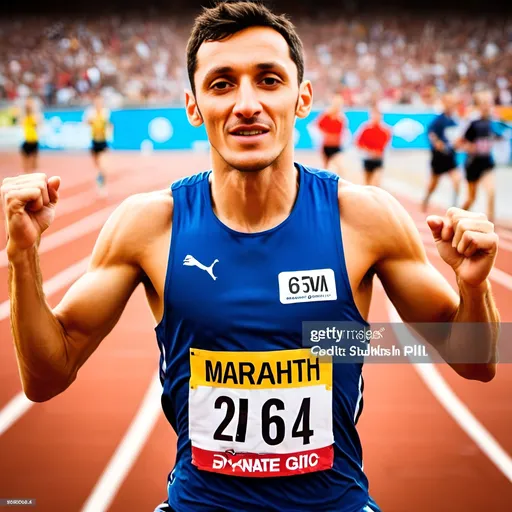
(404, 60)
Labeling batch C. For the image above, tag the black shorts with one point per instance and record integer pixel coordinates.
(330, 151)
(98, 147)
(443, 162)
(371, 164)
(477, 166)
(30, 148)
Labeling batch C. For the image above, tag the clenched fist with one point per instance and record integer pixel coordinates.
(467, 242)
(29, 205)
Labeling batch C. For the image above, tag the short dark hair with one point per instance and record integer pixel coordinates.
(228, 18)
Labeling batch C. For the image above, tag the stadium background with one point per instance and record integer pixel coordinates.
(432, 442)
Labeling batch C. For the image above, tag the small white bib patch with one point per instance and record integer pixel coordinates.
(307, 286)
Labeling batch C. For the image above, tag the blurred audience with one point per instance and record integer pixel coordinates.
(400, 60)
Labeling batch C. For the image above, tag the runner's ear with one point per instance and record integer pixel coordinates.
(193, 113)
(304, 100)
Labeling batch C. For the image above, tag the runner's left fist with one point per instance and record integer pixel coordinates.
(467, 242)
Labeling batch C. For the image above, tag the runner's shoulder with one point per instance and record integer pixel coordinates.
(139, 221)
(376, 215)
(148, 212)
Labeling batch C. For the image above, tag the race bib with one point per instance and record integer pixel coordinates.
(260, 413)
(484, 146)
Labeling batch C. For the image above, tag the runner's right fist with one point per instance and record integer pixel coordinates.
(29, 203)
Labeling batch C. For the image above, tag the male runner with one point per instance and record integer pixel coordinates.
(373, 139)
(228, 258)
(332, 123)
(478, 141)
(443, 159)
(98, 118)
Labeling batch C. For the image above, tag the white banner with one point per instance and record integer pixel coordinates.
(11, 137)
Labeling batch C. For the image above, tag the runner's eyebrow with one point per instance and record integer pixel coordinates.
(272, 66)
(219, 70)
(262, 66)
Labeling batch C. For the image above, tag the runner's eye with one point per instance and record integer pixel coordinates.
(220, 86)
(270, 81)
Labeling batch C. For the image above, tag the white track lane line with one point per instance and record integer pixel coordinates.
(83, 226)
(88, 197)
(496, 274)
(504, 234)
(134, 440)
(70, 233)
(454, 406)
(423, 228)
(70, 180)
(127, 452)
(13, 411)
(20, 404)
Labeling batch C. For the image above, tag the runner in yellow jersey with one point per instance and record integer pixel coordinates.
(98, 118)
(29, 121)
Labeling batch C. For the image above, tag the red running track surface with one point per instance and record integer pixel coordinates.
(417, 455)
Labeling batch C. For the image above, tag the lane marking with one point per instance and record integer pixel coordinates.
(501, 277)
(127, 451)
(68, 234)
(13, 411)
(81, 227)
(454, 406)
(504, 233)
(20, 404)
(423, 228)
(75, 202)
(69, 179)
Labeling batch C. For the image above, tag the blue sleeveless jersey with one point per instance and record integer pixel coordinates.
(261, 424)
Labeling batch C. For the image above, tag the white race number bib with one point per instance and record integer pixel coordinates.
(260, 413)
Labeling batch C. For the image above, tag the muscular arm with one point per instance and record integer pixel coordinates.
(51, 346)
(421, 295)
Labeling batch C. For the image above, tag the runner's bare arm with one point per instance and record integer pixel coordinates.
(51, 346)
(422, 295)
(436, 141)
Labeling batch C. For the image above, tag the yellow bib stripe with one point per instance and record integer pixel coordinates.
(259, 370)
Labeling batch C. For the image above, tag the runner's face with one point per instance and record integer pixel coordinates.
(247, 95)
(29, 106)
(449, 104)
(486, 106)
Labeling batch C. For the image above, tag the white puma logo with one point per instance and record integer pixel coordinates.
(190, 261)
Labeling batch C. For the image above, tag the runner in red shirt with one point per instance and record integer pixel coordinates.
(373, 140)
(332, 123)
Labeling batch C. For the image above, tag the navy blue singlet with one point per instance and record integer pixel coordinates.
(262, 425)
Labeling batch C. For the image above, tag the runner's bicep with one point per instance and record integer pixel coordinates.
(92, 306)
(418, 291)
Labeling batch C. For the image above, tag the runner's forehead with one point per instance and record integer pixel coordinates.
(249, 49)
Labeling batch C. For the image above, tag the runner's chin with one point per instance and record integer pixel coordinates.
(252, 160)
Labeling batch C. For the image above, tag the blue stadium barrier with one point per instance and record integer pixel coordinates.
(168, 129)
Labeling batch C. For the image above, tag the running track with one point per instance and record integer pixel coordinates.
(105, 445)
